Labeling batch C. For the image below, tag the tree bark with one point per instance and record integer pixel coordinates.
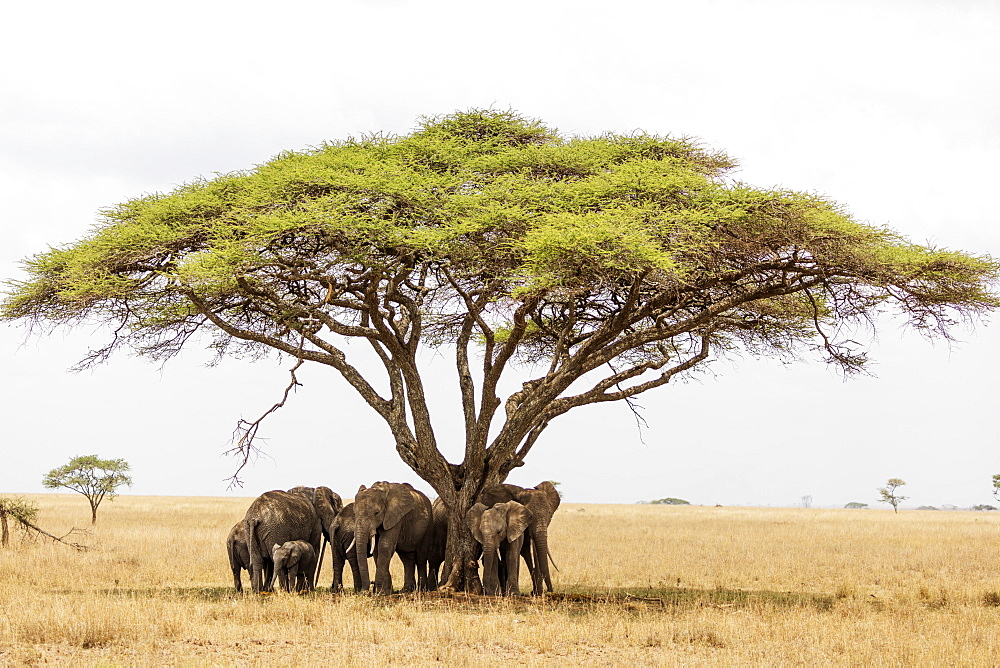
(5, 538)
(461, 571)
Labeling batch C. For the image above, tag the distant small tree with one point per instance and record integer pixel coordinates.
(888, 493)
(996, 486)
(807, 501)
(856, 505)
(18, 510)
(93, 477)
(671, 501)
(984, 506)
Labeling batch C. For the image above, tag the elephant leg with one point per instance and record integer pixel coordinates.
(383, 555)
(268, 568)
(513, 564)
(237, 582)
(258, 578)
(529, 563)
(409, 571)
(337, 584)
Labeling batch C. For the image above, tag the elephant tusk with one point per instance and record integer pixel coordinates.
(350, 547)
(319, 565)
(552, 560)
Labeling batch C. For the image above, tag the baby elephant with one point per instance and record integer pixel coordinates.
(294, 562)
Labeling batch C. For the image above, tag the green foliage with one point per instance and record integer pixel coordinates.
(18, 509)
(91, 476)
(983, 507)
(856, 505)
(24, 513)
(996, 486)
(671, 501)
(500, 200)
(888, 493)
(483, 229)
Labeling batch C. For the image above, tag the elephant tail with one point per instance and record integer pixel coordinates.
(256, 560)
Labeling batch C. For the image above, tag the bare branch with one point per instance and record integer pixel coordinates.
(246, 432)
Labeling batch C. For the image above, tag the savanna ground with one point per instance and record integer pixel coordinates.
(638, 585)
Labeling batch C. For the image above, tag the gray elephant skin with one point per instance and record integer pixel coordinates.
(239, 553)
(276, 517)
(342, 549)
(294, 566)
(500, 530)
(398, 517)
(438, 543)
(542, 501)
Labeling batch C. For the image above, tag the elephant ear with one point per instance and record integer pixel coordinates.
(327, 497)
(518, 519)
(399, 501)
(551, 494)
(472, 520)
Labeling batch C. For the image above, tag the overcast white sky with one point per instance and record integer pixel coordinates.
(892, 108)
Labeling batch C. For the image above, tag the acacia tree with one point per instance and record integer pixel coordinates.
(20, 511)
(889, 495)
(91, 476)
(600, 267)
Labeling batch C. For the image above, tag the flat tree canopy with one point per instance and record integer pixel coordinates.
(91, 476)
(601, 266)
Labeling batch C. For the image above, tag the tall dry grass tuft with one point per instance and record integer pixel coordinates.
(641, 585)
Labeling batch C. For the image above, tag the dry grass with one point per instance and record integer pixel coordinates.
(694, 586)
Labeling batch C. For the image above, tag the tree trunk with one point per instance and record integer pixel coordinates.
(93, 513)
(461, 572)
(5, 537)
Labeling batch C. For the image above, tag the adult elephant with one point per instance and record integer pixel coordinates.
(239, 554)
(500, 530)
(276, 517)
(399, 518)
(542, 500)
(438, 542)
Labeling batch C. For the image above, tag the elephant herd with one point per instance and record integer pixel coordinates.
(282, 538)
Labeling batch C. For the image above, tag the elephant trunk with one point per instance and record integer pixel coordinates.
(542, 559)
(363, 533)
(491, 571)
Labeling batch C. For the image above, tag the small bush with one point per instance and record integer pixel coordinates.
(992, 599)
